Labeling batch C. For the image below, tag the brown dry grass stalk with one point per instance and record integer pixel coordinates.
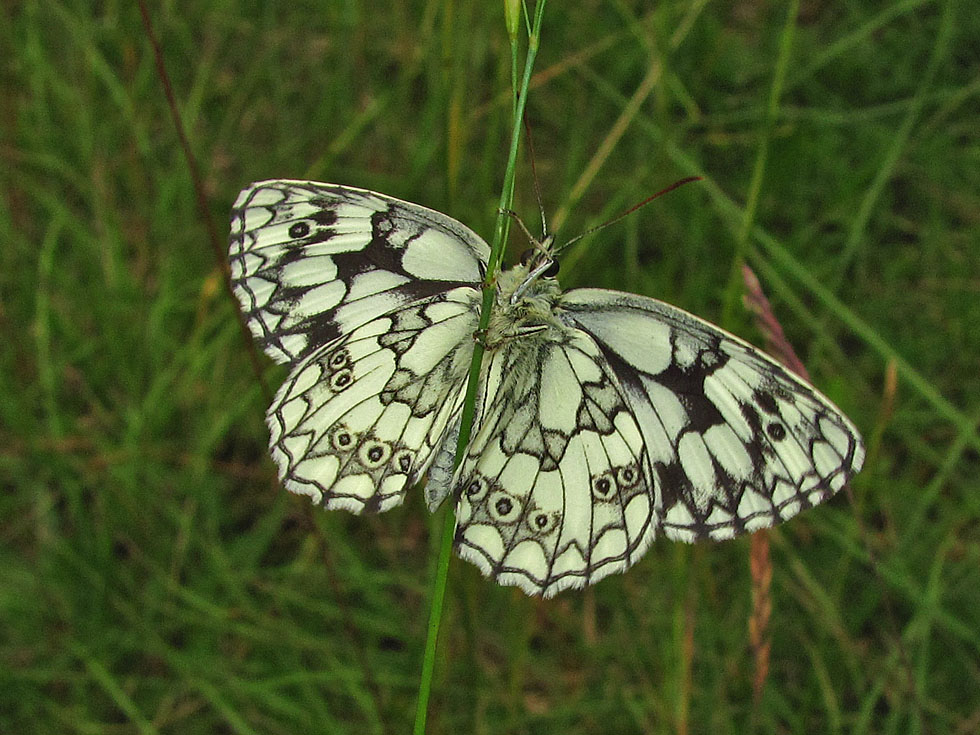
(760, 564)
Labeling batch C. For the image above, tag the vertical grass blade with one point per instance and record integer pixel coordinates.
(469, 404)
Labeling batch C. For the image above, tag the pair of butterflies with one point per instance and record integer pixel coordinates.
(602, 418)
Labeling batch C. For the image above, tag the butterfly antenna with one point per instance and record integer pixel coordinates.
(629, 211)
(534, 178)
(520, 223)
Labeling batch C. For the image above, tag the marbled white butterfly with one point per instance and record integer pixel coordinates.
(603, 418)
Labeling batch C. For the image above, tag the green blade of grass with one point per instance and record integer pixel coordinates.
(469, 403)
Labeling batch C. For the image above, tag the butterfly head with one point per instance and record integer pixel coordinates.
(539, 258)
(536, 263)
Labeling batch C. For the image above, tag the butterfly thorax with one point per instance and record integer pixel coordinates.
(524, 306)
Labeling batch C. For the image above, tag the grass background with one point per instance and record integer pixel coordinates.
(155, 579)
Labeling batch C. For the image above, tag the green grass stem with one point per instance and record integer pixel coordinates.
(438, 593)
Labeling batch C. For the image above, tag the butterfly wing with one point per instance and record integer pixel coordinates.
(360, 419)
(311, 262)
(554, 491)
(735, 442)
(373, 302)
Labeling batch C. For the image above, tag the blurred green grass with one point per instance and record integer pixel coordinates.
(153, 578)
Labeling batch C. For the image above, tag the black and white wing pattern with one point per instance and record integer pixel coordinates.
(735, 441)
(310, 261)
(555, 489)
(373, 302)
(626, 417)
(361, 419)
(602, 418)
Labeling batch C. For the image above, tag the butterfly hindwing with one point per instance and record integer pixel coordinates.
(310, 261)
(359, 419)
(553, 491)
(737, 442)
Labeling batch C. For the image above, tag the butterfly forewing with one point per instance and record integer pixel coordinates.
(310, 262)
(736, 441)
